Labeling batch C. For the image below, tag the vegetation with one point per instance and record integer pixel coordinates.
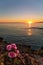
(10, 55)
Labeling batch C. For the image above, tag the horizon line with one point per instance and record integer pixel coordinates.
(21, 22)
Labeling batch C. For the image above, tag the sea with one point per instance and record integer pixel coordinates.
(21, 33)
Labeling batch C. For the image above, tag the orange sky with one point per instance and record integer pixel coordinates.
(21, 10)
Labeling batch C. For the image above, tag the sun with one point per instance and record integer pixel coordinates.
(30, 22)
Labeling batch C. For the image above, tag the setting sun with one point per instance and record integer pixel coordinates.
(30, 22)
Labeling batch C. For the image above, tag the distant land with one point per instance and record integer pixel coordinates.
(16, 22)
(39, 22)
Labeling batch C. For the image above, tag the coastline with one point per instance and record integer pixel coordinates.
(27, 55)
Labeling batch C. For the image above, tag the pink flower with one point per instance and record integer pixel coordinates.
(12, 54)
(9, 47)
(14, 46)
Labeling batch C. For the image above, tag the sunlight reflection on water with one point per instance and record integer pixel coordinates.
(29, 32)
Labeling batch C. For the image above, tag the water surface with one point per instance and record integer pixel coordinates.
(22, 34)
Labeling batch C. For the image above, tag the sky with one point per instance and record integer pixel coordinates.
(21, 10)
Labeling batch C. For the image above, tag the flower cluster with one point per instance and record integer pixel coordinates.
(13, 53)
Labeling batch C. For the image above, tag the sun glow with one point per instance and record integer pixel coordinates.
(30, 22)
